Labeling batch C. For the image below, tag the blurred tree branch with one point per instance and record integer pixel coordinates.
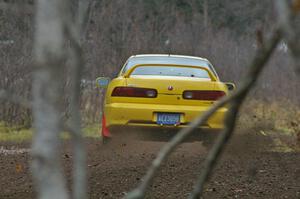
(286, 15)
(50, 57)
(263, 54)
(76, 29)
(286, 31)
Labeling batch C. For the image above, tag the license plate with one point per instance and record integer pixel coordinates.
(168, 118)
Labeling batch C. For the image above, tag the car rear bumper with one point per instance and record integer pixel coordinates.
(145, 115)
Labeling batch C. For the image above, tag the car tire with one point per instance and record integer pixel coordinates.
(209, 139)
(105, 140)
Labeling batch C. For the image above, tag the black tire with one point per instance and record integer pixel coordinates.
(209, 139)
(208, 142)
(105, 140)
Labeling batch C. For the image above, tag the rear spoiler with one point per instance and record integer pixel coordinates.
(211, 75)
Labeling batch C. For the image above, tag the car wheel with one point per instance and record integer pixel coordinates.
(209, 139)
(105, 140)
(208, 143)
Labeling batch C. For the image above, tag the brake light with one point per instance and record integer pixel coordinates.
(134, 92)
(203, 95)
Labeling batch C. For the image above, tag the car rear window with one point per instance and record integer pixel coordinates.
(171, 71)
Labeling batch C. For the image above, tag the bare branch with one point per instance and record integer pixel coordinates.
(262, 56)
(286, 30)
(84, 14)
(256, 66)
(216, 151)
(285, 19)
(75, 33)
(79, 166)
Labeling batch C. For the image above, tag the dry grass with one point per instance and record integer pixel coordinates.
(17, 134)
(281, 116)
(278, 120)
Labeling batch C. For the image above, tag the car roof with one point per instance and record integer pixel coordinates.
(168, 59)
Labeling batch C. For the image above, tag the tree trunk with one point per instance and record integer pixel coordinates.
(47, 92)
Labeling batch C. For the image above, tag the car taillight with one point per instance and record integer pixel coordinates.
(203, 95)
(134, 92)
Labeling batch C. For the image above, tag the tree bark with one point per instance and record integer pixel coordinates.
(49, 51)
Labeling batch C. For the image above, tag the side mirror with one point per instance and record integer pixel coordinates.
(230, 86)
(102, 82)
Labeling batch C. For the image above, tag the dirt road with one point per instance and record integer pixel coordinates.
(248, 169)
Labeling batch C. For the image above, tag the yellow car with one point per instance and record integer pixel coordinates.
(162, 91)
